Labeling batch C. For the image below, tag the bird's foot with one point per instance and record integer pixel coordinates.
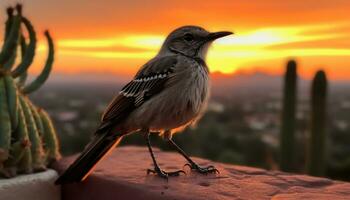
(164, 174)
(203, 170)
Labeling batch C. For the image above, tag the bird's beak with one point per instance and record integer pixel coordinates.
(216, 35)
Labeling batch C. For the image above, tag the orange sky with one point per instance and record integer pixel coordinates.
(113, 36)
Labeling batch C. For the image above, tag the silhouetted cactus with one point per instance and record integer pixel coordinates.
(27, 140)
(316, 160)
(287, 133)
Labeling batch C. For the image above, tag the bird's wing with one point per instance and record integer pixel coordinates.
(149, 81)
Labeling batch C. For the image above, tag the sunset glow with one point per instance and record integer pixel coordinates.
(318, 37)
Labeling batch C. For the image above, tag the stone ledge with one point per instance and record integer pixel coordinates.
(38, 186)
(122, 175)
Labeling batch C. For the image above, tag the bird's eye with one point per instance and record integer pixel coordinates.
(188, 37)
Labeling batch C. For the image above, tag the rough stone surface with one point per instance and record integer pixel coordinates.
(38, 186)
(122, 175)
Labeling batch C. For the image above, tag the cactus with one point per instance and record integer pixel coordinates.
(49, 138)
(36, 144)
(22, 137)
(11, 41)
(40, 80)
(5, 124)
(23, 77)
(29, 53)
(8, 65)
(20, 160)
(316, 160)
(12, 100)
(9, 21)
(27, 139)
(287, 134)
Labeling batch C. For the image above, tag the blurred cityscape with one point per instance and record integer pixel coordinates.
(241, 126)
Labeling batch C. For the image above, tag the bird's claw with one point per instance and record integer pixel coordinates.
(164, 174)
(203, 170)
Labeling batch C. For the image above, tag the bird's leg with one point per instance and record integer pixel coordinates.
(157, 169)
(191, 163)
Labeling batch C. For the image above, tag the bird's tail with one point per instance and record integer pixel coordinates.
(91, 155)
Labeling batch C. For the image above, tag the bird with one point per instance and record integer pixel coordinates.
(167, 94)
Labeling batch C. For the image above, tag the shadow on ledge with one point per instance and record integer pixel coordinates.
(122, 175)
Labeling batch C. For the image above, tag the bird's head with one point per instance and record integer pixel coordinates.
(192, 41)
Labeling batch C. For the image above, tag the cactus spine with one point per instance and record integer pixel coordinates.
(287, 134)
(27, 139)
(316, 162)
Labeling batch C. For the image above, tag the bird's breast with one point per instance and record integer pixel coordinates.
(185, 99)
(182, 101)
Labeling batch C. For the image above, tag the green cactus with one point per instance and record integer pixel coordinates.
(27, 139)
(51, 145)
(8, 65)
(11, 41)
(5, 124)
(12, 100)
(316, 160)
(21, 136)
(29, 53)
(35, 140)
(8, 23)
(40, 80)
(17, 152)
(23, 77)
(37, 118)
(287, 133)
(20, 159)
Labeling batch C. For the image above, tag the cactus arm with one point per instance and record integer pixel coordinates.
(50, 138)
(12, 100)
(11, 43)
(23, 77)
(21, 134)
(23, 46)
(36, 144)
(288, 125)
(8, 65)
(29, 52)
(8, 23)
(316, 160)
(40, 80)
(5, 123)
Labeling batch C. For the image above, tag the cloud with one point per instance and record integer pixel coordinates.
(88, 33)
